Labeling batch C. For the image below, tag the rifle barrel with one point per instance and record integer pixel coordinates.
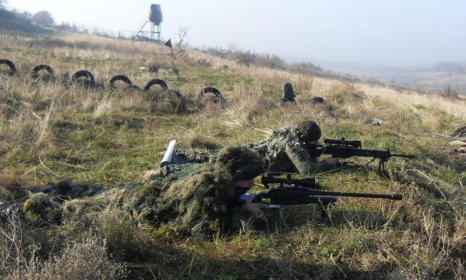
(370, 195)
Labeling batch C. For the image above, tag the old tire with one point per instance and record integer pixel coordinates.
(35, 71)
(156, 82)
(10, 64)
(316, 100)
(122, 78)
(84, 73)
(216, 92)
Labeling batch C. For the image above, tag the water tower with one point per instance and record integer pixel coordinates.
(155, 19)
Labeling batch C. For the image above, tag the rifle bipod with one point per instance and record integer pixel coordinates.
(324, 205)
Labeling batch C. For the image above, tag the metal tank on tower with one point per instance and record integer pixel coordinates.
(155, 19)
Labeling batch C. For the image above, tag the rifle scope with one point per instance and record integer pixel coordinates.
(306, 182)
(343, 142)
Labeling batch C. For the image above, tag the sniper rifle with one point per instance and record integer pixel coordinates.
(344, 149)
(299, 191)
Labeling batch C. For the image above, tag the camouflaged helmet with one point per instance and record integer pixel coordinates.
(308, 131)
(240, 161)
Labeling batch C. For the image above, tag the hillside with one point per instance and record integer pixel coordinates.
(426, 79)
(58, 128)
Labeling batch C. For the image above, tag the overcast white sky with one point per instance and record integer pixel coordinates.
(383, 32)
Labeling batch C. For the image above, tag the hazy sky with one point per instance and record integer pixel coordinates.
(383, 32)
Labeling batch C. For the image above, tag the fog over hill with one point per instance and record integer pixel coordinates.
(426, 78)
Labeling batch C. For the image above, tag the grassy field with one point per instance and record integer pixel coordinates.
(54, 129)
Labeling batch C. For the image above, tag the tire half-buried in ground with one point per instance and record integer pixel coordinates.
(210, 97)
(36, 76)
(10, 64)
(217, 95)
(122, 78)
(156, 82)
(77, 77)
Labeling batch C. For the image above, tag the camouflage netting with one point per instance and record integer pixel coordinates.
(197, 202)
(45, 205)
(194, 199)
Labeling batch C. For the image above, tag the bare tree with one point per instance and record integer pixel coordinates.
(182, 32)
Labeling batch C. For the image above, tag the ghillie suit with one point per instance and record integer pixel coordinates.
(200, 198)
(193, 199)
(44, 205)
(283, 152)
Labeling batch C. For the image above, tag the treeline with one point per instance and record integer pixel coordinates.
(20, 22)
(41, 22)
(262, 60)
(450, 67)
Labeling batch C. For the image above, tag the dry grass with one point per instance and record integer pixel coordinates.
(59, 130)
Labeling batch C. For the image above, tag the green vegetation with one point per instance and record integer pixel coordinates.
(53, 129)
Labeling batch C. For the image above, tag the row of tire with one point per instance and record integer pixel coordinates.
(88, 79)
